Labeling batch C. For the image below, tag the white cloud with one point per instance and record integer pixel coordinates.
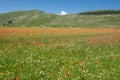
(63, 13)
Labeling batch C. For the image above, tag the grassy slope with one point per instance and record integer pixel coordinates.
(26, 18)
(38, 18)
(87, 21)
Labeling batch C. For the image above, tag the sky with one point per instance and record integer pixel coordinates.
(57, 6)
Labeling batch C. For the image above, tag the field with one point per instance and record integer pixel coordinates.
(59, 54)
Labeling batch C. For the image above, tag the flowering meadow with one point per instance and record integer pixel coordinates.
(59, 54)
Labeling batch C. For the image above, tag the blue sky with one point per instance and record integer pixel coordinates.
(55, 6)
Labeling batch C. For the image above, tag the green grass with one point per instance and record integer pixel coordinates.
(58, 57)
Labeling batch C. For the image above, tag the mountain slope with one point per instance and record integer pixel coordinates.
(36, 18)
(25, 18)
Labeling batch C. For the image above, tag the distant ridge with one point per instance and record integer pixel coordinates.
(37, 18)
(100, 12)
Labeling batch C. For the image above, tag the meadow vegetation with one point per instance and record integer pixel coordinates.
(59, 54)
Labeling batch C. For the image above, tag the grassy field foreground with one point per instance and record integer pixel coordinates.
(59, 54)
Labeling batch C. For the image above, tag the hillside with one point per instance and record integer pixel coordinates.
(100, 12)
(36, 18)
(25, 18)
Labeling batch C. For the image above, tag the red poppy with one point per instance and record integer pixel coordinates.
(67, 74)
(16, 79)
(81, 63)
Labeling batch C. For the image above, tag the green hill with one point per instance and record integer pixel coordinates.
(25, 18)
(37, 18)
